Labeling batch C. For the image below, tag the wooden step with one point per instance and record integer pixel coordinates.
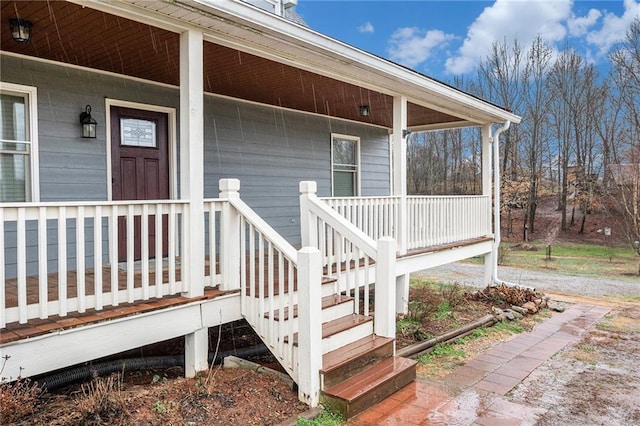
(353, 358)
(338, 326)
(371, 386)
(327, 302)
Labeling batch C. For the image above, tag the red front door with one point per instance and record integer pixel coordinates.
(140, 169)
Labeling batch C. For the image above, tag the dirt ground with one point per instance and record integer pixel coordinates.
(595, 382)
(548, 219)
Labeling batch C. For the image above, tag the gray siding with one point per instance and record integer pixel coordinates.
(269, 150)
(272, 150)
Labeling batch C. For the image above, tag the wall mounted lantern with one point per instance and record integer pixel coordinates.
(406, 133)
(88, 123)
(365, 110)
(20, 29)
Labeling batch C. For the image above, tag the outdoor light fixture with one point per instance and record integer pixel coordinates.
(20, 29)
(406, 133)
(88, 123)
(365, 110)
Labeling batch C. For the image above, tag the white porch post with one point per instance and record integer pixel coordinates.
(309, 325)
(229, 236)
(385, 315)
(192, 186)
(309, 233)
(487, 162)
(400, 189)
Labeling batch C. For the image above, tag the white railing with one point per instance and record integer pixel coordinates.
(375, 216)
(212, 217)
(266, 266)
(352, 257)
(88, 274)
(436, 220)
(431, 220)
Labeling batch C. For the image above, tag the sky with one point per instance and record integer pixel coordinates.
(447, 38)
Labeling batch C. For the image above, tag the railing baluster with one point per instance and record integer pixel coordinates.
(290, 329)
(172, 237)
(271, 284)
(97, 257)
(213, 269)
(159, 250)
(113, 255)
(252, 270)
(80, 256)
(261, 281)
(21, 264)
(130, 253)
(62, 261)
(243, 262)
(282, 302)
(144, 252)
(43, 284)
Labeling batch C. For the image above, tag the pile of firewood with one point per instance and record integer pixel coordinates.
(521, 299)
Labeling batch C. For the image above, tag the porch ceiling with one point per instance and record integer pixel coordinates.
(69, 33)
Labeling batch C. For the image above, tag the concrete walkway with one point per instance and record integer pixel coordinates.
(476, 393)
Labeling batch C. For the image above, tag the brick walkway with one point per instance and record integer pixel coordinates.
(475, 393)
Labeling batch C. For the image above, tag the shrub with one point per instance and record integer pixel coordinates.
(18, 400)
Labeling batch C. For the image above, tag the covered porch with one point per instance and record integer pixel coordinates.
(75, 247)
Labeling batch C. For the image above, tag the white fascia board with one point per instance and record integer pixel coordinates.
(236, 24)
(443, 126)
(275, 32)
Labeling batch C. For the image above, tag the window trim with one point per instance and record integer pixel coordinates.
(33, 187)
(355, 139)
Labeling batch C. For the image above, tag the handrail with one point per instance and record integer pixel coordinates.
(343, 226)
(263, 227)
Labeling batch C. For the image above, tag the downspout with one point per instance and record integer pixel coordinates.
(496, 207)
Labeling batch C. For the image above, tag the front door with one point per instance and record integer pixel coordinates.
(140, 170)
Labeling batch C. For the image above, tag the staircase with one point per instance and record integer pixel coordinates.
(358, 367)
(306, 305)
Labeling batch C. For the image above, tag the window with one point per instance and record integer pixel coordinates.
(345, 158)
(18, 139)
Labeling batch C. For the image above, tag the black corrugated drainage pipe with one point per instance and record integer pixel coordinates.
(418, 349)
(89, 371)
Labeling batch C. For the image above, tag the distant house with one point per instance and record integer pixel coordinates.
(236, 164)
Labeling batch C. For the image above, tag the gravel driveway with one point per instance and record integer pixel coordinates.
(473, 275)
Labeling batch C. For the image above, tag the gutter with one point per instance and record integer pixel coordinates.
(495, 281)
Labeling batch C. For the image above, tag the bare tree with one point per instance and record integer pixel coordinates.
(626, 75)
(535, 125)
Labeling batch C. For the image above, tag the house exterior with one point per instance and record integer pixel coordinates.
(263, 162)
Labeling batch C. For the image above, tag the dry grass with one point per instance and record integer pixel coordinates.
(18, 400)
(101, 400)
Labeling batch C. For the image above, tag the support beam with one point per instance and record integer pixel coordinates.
(487, 163)
(385, 315)
(191, 159)
(192, 187)
(196, 349)
(400, 189)
(400, 167)
(309, 325)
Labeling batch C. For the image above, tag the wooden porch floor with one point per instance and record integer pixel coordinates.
(35, 327)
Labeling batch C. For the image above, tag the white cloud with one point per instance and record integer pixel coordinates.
(510, 19)
(614, 27)
(367, 27)
(412, 46)
(578, 26)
